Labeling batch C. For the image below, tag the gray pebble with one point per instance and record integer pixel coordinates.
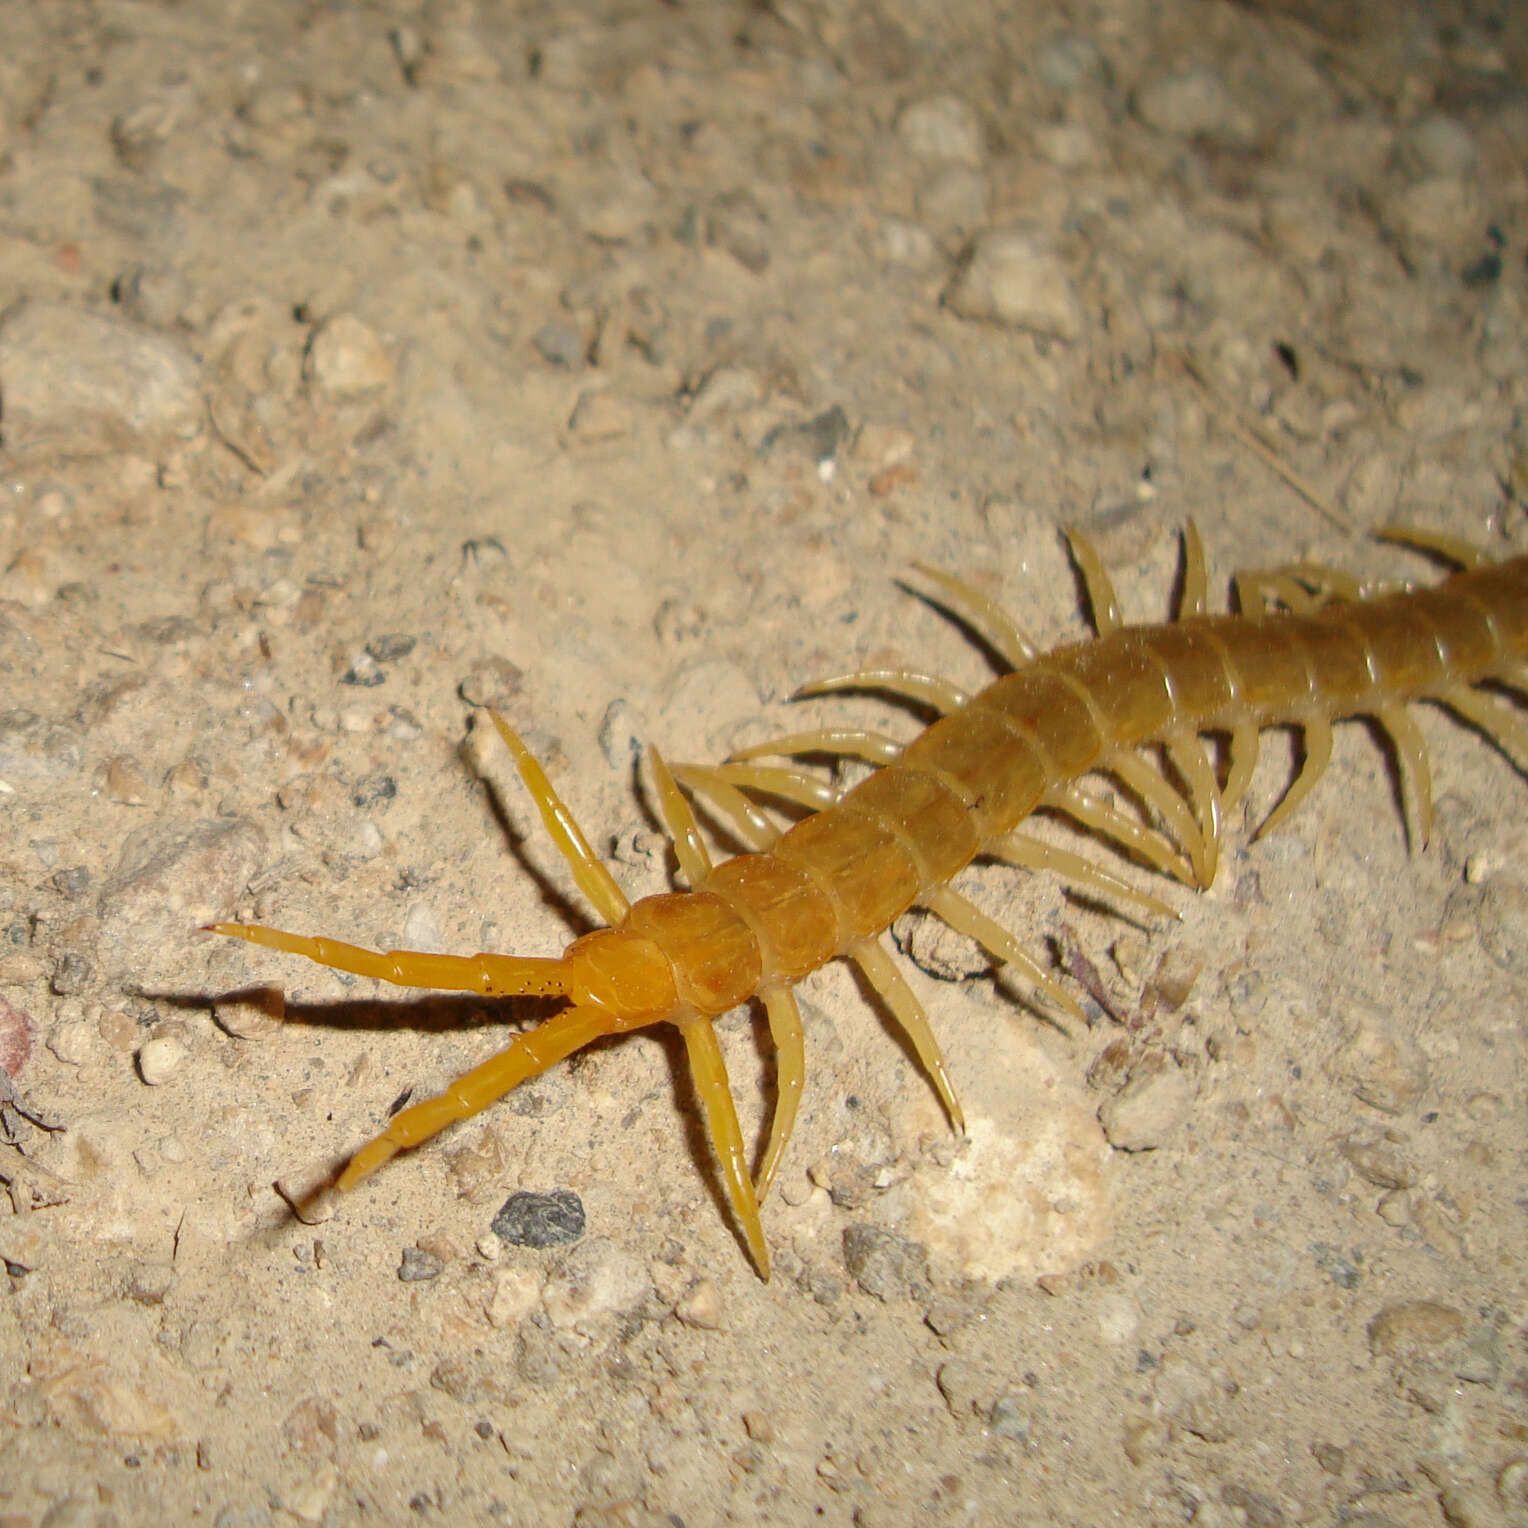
(36, 750)
(1068, 61)
(540, 1220)
(1437, 144)
(1013, 276)
(1186, 103)
(418, 1265)
(619, 735)
(560, 344)
(392, 647)
(152, 294)
(76, 383)
(885, 1265)
(492, 682)
(941, 129)
(1380, 1063)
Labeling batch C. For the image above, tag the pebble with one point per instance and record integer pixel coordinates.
(346, 359)
(74, 1042)
(941, 129)
(421, 928)
(540, 1220)
(599, 416)
(36, 751)
(884, 1264)
(417, 1265)
(1378, 1163)
(560, 344)
(250, 1014)
(160, 1058)
(1156, 1100)
(598, 1279)
(78, 383)
(1379, 1063)
(492, 681)
(702, 1306)
(1013, 276)
(1186, 103)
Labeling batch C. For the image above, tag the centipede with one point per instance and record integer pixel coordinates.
(1170, 714)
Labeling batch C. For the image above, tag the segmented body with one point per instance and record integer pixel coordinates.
(1311, 653)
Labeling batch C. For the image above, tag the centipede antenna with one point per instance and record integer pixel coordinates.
(988, 617)
(492, 975)
(924, 689)
(1102, 599)
(589, 871)
(689, 847)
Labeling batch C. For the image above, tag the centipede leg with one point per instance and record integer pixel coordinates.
(589, 871)
(1246, 742)
(1318, 754)
(882, 974)
(924, 689)
(965, 917)
(839, 742)
(1102, 600)
(1149, 846)
(790, 1076)
(1137, 774)
(986, 615)
(1190, 760)
(689, 848)
(527, 1056)
(1453, 549)
(1416, 776)
(710, 1074)
(1195, 599)
(788, 784)
(1496, 720)
(741, 815)
(1025, 853)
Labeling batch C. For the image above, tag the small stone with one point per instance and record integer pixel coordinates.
(34, 750)
(78, 383)
(885, 1265)
(250, 1014)
(492, 682)
(364, 672)
(1013, 276)
(702, 1306)
(1378, 1164)
(421, 928)
(727, 390)
(345, 358)
(598, 1279)
(941, 129)
(516, 1293)
(1380, 1063)
(1414, 1329)
(73, 1042)
(737, 224)
(125, 781)
(540, 1220)
(1187, 103)
(417, 1265)
(1437, 144)
(560, 344)
(392, 647)
(159, 1058)
(599, 416)
(1156, 1100)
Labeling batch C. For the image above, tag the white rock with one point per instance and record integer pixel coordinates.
(941, 129)
(1014, 276)
(159, 1058)
(346, 359)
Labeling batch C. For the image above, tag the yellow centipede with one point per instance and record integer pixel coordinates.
(1309, 648)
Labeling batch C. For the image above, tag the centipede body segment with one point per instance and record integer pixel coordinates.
(1307, 649)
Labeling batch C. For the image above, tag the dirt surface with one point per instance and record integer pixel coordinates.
(362, 365)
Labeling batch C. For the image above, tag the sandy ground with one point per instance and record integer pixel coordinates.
(361, 365)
